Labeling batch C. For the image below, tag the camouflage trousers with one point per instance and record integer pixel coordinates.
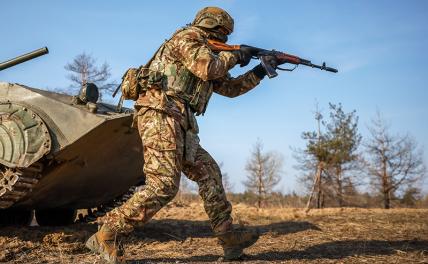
(164, 146)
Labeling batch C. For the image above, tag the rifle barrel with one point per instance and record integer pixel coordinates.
(325, 68)
(23, 58)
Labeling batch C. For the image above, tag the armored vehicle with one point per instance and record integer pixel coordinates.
(60, 153)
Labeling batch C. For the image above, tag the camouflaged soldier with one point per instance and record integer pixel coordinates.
(182, 77)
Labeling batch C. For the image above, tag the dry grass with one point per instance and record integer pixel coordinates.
(180, 234)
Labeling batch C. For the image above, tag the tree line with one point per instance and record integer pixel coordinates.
(337, 163)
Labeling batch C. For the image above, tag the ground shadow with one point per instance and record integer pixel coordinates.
(346, 248)
(159, 230)
(180, 230)
(172, 229)
(71, 233)
(329, 250)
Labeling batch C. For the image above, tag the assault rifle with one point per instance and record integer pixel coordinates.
(269, 58)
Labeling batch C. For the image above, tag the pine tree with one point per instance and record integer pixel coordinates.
(330, 153)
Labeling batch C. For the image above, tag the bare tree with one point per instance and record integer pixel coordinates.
(186, 189)
(394, 162)
(84, 70)
(317, 160)
(227, 185)
(264, 172)
(311, 163)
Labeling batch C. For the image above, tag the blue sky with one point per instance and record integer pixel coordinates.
(379, 48)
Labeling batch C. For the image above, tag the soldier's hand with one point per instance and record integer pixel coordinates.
(249, 50)
(274, 61)
(244, 55)
(259, 71)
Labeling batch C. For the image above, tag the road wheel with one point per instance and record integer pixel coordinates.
(10, 217)
(56, 216)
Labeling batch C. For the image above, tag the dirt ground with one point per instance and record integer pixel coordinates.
(181, 234)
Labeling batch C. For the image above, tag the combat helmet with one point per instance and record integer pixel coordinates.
(212, 17)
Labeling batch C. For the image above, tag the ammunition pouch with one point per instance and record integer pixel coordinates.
(134, 81)
(184, 85)
(200, 97)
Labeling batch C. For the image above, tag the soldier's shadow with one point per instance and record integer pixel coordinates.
(157, 230)
(71, 233)
(345, 248)
(329, 250)
(180, 230)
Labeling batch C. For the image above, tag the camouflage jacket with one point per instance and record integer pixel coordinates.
(185, 72)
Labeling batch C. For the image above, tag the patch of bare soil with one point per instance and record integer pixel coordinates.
(181, 234)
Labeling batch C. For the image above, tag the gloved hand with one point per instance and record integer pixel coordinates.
(259, 71)
(244, 54)
(272, 61)
(243, 57)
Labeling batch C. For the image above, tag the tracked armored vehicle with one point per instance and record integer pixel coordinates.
(59, 153)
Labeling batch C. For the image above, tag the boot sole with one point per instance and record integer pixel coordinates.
(235, 253)
(91, 244)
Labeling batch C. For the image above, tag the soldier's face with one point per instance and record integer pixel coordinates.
(224, 31)
(220, 34)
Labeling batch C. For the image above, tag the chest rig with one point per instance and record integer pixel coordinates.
(167, 72)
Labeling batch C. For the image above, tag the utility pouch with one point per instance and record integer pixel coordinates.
(134, 81)
(201, 96)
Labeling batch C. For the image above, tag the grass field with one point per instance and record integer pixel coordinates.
(181, 234)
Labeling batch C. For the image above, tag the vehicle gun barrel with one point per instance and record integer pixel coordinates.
(23, 58)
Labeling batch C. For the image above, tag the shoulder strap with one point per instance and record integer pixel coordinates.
(147, 65)
(162, 47)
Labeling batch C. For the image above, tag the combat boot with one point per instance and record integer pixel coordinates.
(105, 244)
(235, 241)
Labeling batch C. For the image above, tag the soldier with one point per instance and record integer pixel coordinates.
(183, 75)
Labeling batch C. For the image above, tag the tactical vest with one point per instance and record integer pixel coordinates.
(169, 74)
